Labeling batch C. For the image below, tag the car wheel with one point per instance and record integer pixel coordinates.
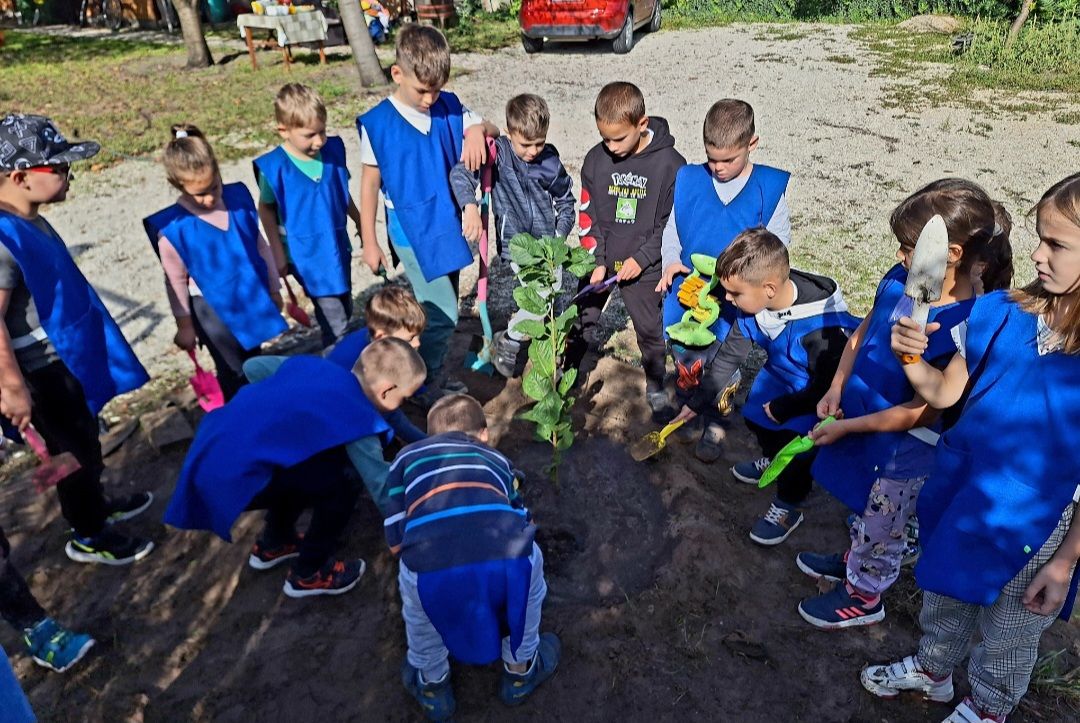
(654, 21)
(532, 45)
(624, 41)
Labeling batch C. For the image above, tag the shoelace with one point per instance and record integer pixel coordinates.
(775, 515)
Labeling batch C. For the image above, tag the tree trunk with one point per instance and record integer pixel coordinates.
(363, 49)
(1014, 29)
(198, 53)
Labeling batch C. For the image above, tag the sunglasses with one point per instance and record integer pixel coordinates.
(60, 169)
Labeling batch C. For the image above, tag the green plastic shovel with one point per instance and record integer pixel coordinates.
(792, 449)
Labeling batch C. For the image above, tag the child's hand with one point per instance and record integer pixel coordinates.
(768, 412)
(474, 149)
(374, 257)
(630, 270)
(15, 403)
(829, 406)
(829, 433)
(185, 333)
(668, 278)
(598, 275)
(686, 414)
(1047, 591)
(909, 339)
(471, 225)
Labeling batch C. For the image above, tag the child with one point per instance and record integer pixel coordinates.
(12, 700)
(802, 322)
(279, 446)
(220, 275)
(532, 193)
(998, 513)
(304, 201)
(408, 144)
(714, 202)
(62, 357)
(877, 457)
(627, 183)
(471, 576)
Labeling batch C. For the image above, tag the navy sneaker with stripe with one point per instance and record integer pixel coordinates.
(831, 567)
(842, 607)
(437, 699)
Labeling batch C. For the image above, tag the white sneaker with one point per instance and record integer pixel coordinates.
(967, 713)
(889, 681)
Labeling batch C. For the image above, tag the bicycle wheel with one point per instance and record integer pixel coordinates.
(113, 12)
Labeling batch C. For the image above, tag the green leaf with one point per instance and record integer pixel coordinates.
(580, 268)
(542, 356)
(529, 299)
(567, 381)
(544, 432)
(531, 328)
(521, 256)
(566, 319)
(535, 385)
(565, 440)
(561, 254)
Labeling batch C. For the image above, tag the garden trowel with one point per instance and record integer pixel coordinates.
(53, 469)
(927, 273)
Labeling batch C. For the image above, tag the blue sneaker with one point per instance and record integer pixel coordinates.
(850, 520)
(842, 607)
(437, 699)
(776, 524)
(831, 567)
(54, 647)
(515, 688)
(750, 472)
(125, 508)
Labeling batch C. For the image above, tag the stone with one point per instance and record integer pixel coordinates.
(166, 426)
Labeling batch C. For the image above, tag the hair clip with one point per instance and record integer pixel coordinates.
(998, 230)
(181, 134)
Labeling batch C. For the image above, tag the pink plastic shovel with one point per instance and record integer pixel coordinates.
(293, 307)
(53, 469)
(206, 387)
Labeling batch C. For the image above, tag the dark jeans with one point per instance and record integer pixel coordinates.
(795, 482)
(17, 604)
(61, 416)
(327, 484)
(226, 351)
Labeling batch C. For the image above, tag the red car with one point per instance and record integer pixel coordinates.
(614, 20)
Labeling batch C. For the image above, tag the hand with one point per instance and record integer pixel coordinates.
(471, 225)
(668, 277)
(1047, 591)
(185, 332)
(374, 257)
(474, 149)
(686, 414)
(768, 412)
(598, 275)
(825, 434)
(15, 403)
(630, 270)
(908, 338)
(829, 406)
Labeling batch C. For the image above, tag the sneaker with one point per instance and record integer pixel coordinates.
(264, 557)
(124, 508)
(750, 471)
(108, 548)
(966, 712)
(850, 520)
(505, 356)
(516, 687)
(437, 699)
(54, 647)
(335, 578)
(776, 524)
(889, 681)
(842, 607)
(427, 396)
(662, 410)
(710, 447)
(831, 567)
(726, 401)
(453, 386)
(912, 550)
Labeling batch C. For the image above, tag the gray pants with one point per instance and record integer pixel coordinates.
(429, 655)
(1000, 666)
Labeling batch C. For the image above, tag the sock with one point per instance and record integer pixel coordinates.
(927, 673)
(866, 599)
(425, 681)
(528, 670)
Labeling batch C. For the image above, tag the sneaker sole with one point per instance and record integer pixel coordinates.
(124, 516)
(881, 691)
(80, 556)
(776, 540)
(293, 592)
(255, 563)
(870, 619)
(814, 574)
(743, 478)
(78, 656)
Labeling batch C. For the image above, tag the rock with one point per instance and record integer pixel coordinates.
(944, 24)
(111, 441)
(166, 426)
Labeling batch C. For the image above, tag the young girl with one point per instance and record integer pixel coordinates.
(999, 544)
(221, 279)
(877, 457)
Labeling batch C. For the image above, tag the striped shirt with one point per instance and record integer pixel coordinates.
(453, 502)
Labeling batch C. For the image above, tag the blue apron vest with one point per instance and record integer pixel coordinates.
(849, 467)
(85, 336)
(308, 406)
(1009, 467)
(415, 170)
(225, 264)
(347, 351)
(314, 215)
(707, 225)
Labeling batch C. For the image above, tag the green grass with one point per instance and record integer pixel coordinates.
(482, 32)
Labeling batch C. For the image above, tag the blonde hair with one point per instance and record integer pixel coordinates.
(619, 102)
(528, 115)
(729, 123)
(389, 359)
(1063, 197)
(754, 255)
(423, 52)
(187, 155)
(298, 106)
(456, 413)
(392, 308)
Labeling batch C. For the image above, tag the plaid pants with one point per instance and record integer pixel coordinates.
(1000, 665)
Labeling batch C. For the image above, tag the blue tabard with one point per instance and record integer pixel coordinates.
(849, 467)
(415, 171)
(1009, 467)
(314, 214)
(85, 336)
(347, 351)
(308, 406)
(707, 225)
(225, 264)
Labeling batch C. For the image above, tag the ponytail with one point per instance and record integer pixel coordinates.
(187, 154)
(997, 256)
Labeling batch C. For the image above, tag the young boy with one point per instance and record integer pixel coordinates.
(532, 193)
(714, 202)
(408, 144)
(279, 445)
(62, 357)
(471, 576)
(304, 201)
(627, 183)
(802, 323)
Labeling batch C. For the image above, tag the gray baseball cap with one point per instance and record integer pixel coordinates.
(29, 141)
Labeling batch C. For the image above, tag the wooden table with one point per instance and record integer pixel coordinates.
(309, 27)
